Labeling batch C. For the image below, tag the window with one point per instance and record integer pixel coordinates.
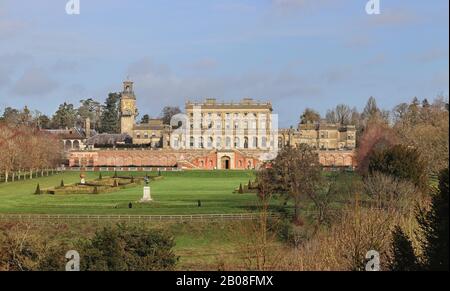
(264, 142)
(237, 143)
(255, 142)
(228, 142)
(219, 142)
(210, 142)
(192, 142)
(146, 135)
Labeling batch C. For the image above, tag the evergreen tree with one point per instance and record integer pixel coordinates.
(145, 119)
(62, 184)
(310, 116)
(38, 190)
(435, 228)
(91, 109)
(403, 256)
(65, 116)
(402, 162)
(110, 115)
(241, 190)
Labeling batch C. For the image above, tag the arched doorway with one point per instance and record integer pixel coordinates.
(226, 163)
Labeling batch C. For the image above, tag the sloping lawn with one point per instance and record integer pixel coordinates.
(176, 193)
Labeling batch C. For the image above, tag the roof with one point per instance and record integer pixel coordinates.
(72, 133)
(153, 124)
(108, 139)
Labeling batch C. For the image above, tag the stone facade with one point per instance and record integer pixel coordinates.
(215, 135)
(321, 136)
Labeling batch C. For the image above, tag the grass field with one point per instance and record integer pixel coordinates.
(176, 193)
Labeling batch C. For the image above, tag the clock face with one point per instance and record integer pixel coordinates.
(128, 108)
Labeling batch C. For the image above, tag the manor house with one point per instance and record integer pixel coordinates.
(211, 135)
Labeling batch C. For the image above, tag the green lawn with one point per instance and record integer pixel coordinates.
(176, 193)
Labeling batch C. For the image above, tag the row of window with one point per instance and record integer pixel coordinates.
(146, 135)
(228, 124)
(218, 142)
(230, 115)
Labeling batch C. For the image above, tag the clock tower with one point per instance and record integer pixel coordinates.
(128, 111)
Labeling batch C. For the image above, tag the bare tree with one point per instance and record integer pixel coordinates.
(342, 115)
(168, 112)
(298, 173)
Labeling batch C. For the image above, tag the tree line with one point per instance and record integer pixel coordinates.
(104, 118)
(27, 152)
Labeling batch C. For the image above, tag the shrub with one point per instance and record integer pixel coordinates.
(128, 248)
(388, 191)
(241, 190)
(100, 177)
(377, 135)
(38, 190)
(401, 162)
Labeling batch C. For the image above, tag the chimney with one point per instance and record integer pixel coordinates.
(87, 127)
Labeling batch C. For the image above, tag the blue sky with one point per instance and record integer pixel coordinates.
(295, 53)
